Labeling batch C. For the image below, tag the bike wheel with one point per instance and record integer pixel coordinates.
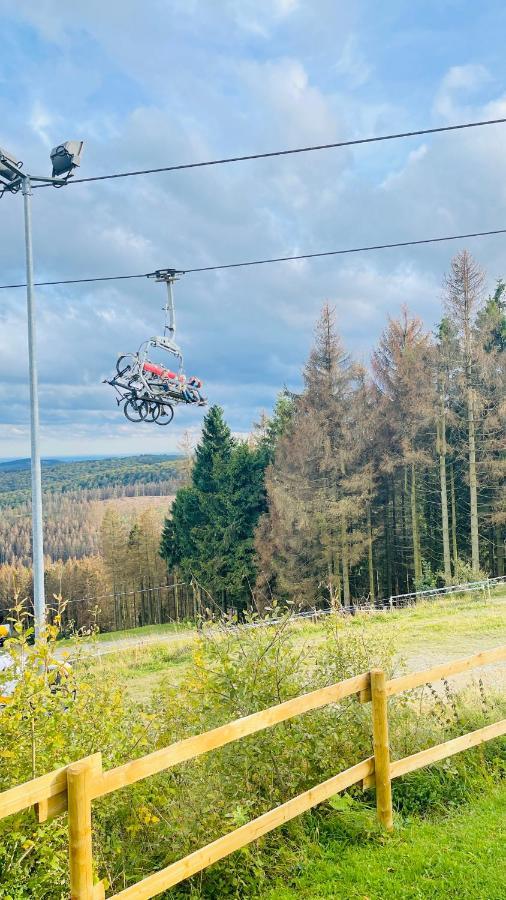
(166, 415)
(125, 365)
(153, 411)
(135, 410)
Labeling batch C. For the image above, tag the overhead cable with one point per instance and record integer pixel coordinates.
(269, 260)
(250, 156)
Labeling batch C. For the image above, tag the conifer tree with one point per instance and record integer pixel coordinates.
(463, 296)
(209, 534)
(402, 366)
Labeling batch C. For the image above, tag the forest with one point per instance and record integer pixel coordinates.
(95, 474)
(365, 484)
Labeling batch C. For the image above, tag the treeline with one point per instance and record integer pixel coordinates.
(123, 585)
(71, 521)
(368, 483)
(130, 473)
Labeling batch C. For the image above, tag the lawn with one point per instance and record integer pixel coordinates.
(430, 633)
(458, 856)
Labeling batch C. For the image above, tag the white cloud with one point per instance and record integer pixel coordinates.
(40, 121)
(352, 63)
(161, 90)
(457, 85)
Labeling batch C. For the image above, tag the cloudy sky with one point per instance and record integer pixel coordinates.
(169, 81)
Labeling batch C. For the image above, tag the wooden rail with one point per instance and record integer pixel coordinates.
(73, 787)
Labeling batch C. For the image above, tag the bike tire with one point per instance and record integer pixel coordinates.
(166, 415)
(135, 410)
(153, 411)
(124, 365)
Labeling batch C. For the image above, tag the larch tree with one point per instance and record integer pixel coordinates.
(402, 368)
(305, 542)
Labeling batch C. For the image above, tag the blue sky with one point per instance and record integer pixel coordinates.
(165, 82)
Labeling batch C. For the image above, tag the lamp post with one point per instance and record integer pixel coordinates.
(65, 158)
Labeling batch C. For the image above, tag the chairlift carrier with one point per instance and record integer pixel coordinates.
(147, 390)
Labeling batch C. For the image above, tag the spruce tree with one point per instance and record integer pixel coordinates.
(209, 535)
(463, 296)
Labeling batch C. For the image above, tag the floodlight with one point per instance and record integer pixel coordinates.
(9, 167)
(66, 157)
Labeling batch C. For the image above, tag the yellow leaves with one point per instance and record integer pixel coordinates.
(146, 816)
(7, 754)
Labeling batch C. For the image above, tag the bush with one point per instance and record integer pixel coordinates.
(233, 673)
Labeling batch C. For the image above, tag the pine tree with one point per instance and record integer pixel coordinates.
(214, 447)
(209, 535)
(463, 294)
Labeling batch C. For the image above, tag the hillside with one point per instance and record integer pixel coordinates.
(447, 840)
(97, 474)
(77, 493)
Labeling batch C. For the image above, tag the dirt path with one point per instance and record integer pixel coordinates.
(493, 676)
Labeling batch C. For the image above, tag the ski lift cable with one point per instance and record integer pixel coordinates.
(291, 152)
(268, 260)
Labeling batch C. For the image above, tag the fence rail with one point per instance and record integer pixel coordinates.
(75, 786)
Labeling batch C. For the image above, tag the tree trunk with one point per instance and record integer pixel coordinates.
(473, 491)
(417, 565)
(337, 575)
(499, 550)
(175, 579)
(455, 551)
(405, 527)
(369, 555)
(388, 555)
(444, 494)
(395, 553)
(345, 562)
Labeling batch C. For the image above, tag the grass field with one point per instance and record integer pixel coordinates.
(430, 633)
(461, 856)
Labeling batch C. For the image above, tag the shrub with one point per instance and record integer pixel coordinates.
(232, 673)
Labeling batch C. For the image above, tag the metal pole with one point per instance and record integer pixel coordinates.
(39, 601)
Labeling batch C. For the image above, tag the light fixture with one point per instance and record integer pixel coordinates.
(9, 168)
(65, 157)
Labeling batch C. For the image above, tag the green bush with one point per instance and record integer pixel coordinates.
(51, 720)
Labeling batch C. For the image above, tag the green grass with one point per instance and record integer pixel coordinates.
(147, 631)
(461, 856)
(138, 634)
(140, 669)
(431, 632)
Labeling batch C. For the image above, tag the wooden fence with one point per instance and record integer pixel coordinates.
(74, 787)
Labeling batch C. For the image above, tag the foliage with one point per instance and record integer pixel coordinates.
(377, 483)
(57, 712)
(91, 474)
(427, 578)
(209, 535)
(232, 673)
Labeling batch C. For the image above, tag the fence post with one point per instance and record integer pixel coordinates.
(80, 847)
(381, 748)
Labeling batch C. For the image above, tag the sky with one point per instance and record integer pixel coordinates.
(174, 81)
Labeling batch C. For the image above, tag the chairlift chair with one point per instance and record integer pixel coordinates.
(149, 391)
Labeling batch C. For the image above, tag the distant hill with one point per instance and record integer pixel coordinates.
(16, 465)
(112, 476)
(13, 465)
